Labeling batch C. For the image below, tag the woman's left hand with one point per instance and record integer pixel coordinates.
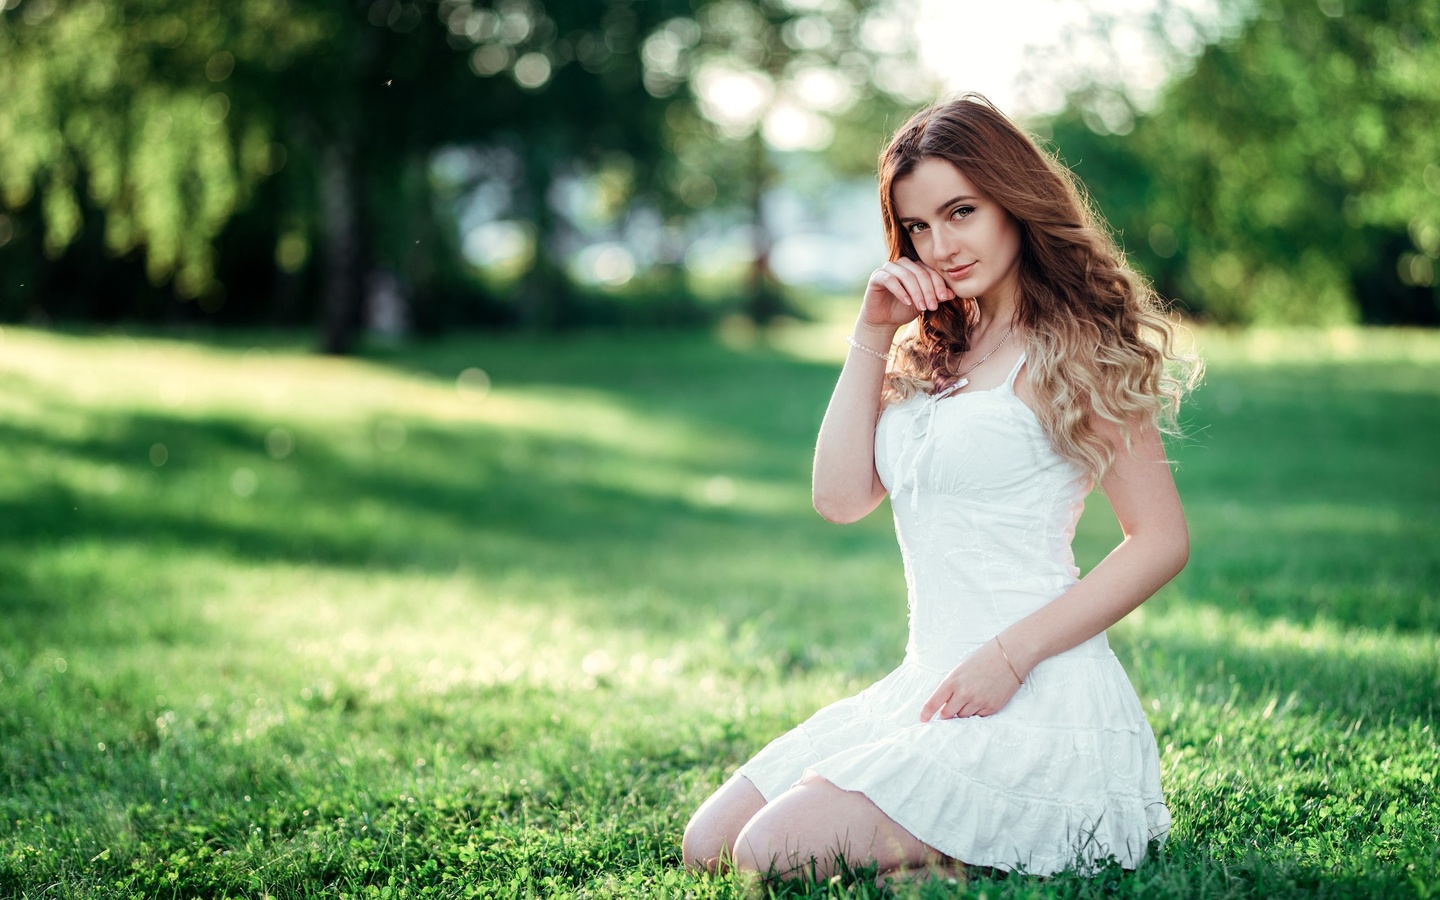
(979, 686)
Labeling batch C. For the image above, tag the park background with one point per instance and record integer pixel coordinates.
(407, 410)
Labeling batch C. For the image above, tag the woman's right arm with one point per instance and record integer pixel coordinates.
(845, 486)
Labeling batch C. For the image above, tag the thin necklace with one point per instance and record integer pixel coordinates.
(961, 380)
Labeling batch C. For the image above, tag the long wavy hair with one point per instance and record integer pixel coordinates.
(1099, 344)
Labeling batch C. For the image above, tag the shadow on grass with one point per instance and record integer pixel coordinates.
(1195, 868)
(465, 497)
(1312, 491)
(1290, 678)
(1269, 446)
(759, 393)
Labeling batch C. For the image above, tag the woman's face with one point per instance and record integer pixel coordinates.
(958, 231)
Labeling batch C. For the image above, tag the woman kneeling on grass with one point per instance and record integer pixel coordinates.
(1035, 366)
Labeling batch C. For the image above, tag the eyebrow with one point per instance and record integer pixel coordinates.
(942, 207)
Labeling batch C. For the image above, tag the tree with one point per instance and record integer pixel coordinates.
(164, 118)
(788, 76)
(1292, 174)
(123, 107)
(251, 152)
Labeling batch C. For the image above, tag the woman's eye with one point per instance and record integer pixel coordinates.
(962, 211)
(914, 227)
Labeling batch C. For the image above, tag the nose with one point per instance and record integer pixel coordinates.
(944, 244)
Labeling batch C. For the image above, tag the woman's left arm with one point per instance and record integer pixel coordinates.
(1155, 548)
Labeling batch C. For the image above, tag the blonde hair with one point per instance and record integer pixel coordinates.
(1099, 345)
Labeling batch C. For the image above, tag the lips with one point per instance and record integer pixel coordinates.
(960, 271)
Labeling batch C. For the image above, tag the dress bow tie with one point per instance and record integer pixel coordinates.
(920, 433)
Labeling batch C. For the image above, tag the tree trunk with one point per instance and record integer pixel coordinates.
(341, 283)
(545, 296)
(764, 302)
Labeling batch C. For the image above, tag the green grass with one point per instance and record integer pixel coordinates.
(454, 645)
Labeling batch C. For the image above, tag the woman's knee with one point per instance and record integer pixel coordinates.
(807, 830)
(766, 846)
(709, 840)
(697, 849)
(746, 856)
(704, 846)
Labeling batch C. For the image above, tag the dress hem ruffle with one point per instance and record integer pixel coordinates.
(1066, 776)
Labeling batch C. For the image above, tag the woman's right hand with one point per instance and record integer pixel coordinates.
(900, 290)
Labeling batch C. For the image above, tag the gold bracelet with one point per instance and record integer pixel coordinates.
(1008, 662)
(850, 339)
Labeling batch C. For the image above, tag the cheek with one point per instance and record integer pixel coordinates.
(921, 243)
(1008, 240)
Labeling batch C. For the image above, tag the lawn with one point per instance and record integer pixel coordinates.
(489, 617)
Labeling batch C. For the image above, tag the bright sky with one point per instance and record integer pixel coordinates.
(1025, 55)
(986, 46)
(989, 47)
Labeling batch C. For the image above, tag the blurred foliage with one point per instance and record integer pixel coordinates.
(125, 107)
(1292, 176)
(547, 162)
(293, 135)
(267, 158)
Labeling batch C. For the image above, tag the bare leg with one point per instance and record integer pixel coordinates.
(807, 827)
(709, 842)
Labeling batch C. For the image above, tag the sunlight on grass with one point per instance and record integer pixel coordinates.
(1340, 345)
(307, 626)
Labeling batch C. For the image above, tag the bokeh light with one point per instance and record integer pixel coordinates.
(279, 443)
(390, 435)
(473, 385)
(244, 482)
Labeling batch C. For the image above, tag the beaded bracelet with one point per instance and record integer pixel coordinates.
(850, 339)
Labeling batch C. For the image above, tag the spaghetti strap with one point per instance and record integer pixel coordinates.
(1010, 379)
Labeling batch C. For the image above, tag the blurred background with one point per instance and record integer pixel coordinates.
(408, 167)
(482, 611)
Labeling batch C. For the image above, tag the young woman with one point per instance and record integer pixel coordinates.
(1033, 366)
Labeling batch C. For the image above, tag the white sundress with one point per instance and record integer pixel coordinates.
(1067, 774)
